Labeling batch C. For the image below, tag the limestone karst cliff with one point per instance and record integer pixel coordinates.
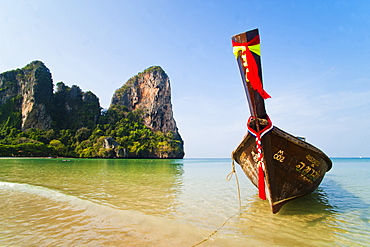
(150, 93)
(29, 92)
(74, 108)
(36, 121)
(28, 95)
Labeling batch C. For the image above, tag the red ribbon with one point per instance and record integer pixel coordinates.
(261, 172)
(261, 183)
(251, 70)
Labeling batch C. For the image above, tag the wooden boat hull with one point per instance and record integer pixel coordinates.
(293, 167)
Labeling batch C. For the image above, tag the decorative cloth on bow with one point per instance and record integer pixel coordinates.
(261, 164)
(249, 63)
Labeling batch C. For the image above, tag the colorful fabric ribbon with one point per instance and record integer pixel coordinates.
(262, 132)
(261, 164)
(249, 63)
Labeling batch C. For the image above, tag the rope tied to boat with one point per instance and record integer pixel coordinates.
(261, 166)
(261, 169)
(260, 162)
(228, 178)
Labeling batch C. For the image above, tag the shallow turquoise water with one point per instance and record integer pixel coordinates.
(93, 202)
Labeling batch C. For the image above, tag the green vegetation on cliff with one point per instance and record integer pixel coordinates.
(131, 138)
(75, 124)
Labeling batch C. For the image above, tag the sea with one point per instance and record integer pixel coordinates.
(189, 202)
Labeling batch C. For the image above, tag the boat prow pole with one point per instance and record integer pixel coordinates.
(247, 53)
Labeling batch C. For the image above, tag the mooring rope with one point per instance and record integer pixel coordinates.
(228, 178)
(215, 231)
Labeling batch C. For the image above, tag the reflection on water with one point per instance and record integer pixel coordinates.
(51, 202)
(126, 184)
(314, 203)
(35, 216)
(330, 216)
(305, 221)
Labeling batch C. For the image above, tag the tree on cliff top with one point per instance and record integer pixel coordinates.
(74, 124)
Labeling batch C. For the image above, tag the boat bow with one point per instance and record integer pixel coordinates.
(280, 165)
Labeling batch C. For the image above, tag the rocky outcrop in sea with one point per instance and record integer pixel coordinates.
(150, 93)
(28, 101)
(28, 93)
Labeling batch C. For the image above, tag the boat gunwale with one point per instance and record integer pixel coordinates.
(292, 139)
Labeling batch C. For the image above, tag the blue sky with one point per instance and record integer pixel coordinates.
(315, 61)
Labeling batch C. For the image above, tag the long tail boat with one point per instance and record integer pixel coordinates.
(283, 167)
